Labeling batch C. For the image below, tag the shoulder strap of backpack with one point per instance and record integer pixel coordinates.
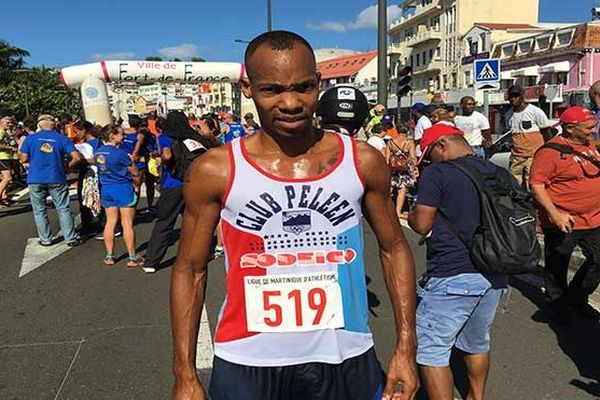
(566, 149)
(477, 177)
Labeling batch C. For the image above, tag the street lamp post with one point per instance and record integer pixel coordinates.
(382, 72)
(269, 19)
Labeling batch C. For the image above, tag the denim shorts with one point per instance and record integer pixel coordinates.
(118, 195)
(456, 311)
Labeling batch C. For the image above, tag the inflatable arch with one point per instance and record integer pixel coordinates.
(92, 79)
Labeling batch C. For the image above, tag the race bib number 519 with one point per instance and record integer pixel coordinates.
(293, 303)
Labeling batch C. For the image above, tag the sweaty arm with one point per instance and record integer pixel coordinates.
(188, 278)
(398, 267)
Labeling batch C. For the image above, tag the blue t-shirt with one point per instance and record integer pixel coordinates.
(448, 189)
(95, 143)
(112, 163)
(47, 151)
(168, 180)
(129, 142)
(236, 130)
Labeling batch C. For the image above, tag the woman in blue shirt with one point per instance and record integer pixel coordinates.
(117, 171)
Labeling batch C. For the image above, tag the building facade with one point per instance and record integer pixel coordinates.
(429, 37)
(567, 57)
(356, 69)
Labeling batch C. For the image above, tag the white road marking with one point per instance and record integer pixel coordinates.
(37, 255)
(204, 347)
(20, 194)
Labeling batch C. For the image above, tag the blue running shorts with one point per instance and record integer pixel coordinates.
(119, 195)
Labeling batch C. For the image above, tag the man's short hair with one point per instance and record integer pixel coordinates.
(276, 40)
(135, 121)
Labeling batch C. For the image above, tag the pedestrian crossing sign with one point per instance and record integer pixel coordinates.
(487, 70)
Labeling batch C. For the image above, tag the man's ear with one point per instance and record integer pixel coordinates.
(246, 88)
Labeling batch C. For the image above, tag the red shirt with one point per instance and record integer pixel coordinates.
(573, 183)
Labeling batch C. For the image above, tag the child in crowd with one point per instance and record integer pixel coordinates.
(117, 172)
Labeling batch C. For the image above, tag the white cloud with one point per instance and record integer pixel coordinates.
(327, 26)
(115, 55)
(366, 19)
(185, 50)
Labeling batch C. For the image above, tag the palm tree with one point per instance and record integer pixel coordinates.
(11, 58)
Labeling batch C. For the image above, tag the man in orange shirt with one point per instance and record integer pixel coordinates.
(388, 126)
(565, 178)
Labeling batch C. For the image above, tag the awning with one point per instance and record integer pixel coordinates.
(507, 75)
(562, 66)
(527, 71)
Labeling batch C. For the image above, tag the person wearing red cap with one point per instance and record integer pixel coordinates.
(565, 179)
(457, 303)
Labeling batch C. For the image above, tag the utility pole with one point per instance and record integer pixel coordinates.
(382, 70)
(269, 19)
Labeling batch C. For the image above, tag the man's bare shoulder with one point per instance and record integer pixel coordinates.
(368, 156)
(372, 166)
(210, 172)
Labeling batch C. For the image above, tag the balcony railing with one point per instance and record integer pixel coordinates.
(395, 48)
(423, 36)
(419, 12)
(433, 65)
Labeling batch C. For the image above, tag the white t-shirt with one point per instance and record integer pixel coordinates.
(531, 119)
(87, 151)
(377, 142)
(422, 124)
(472, 126)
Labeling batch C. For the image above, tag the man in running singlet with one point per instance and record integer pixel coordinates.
(294, 324)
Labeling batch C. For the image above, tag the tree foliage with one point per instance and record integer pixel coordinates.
(153, 58)
(11, 58)
(38, 89)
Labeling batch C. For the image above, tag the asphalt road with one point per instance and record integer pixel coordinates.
(75, 329)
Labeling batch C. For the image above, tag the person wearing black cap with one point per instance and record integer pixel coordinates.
(343, 109)
(528, 125)
(250, 125)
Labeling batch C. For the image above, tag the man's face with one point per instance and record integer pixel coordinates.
(7, 123)
(285, 89)
(468, 106)
(516, 101)
(582, 132)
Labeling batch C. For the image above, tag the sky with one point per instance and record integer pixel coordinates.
(66, 32)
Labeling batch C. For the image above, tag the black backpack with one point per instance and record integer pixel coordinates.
(505, 241)
(184, 151)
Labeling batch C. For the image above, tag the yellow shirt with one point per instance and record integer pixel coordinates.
(4, 140)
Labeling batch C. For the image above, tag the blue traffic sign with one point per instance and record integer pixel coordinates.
(487, 70)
